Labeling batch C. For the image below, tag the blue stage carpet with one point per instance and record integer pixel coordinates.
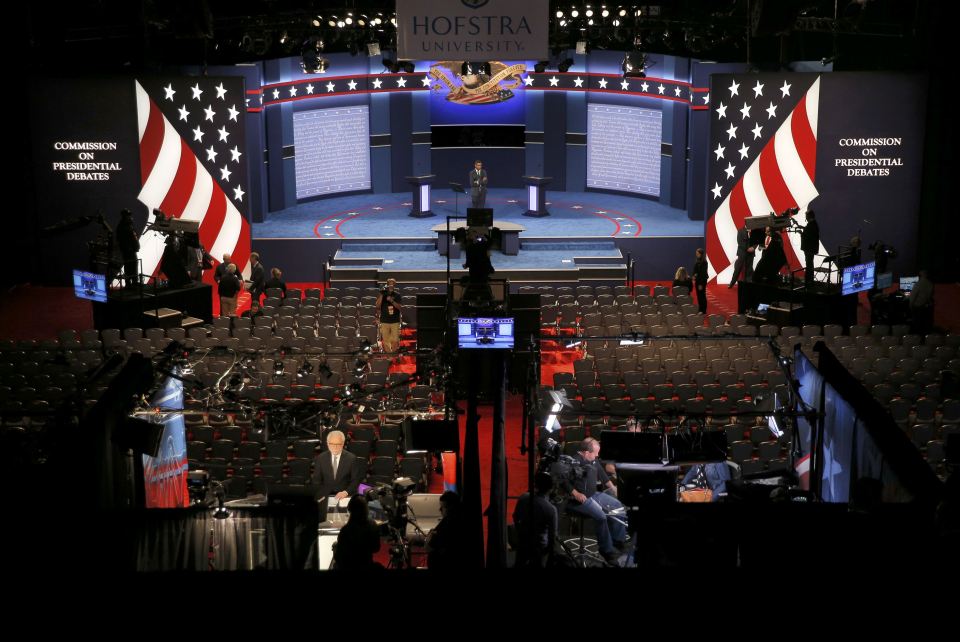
(573, 215)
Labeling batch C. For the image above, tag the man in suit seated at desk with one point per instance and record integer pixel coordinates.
(336, 471)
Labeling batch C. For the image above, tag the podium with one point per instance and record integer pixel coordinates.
(537, 195)
(421, 195)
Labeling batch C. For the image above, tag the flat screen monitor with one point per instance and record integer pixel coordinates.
(632, 447)
(479, 217)
(884, 280)
(484, 333)
(907, 283)
(858, 278)
(89, 285)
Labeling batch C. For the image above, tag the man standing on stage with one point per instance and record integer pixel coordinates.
(478, 184)
(745, 254)
(810, 245)
(389, 304)
(700, 278)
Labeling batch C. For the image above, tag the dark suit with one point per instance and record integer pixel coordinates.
(810, 245)
(478, 187)
(348, 476)
(744, 262)
(700, 278)
(257, 281)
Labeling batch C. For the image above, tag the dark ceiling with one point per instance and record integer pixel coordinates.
(101, 35)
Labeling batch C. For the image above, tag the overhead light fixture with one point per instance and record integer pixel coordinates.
(312, 62)
(559, 14)
(581, 47)
(589, 13)
(605, 13)
(634, 65)
(564, 66)
(373, 49)
(541, 66)
(574, 14)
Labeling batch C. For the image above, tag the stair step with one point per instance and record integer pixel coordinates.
(191, 322)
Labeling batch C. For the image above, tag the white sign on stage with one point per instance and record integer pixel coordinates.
(473, 29)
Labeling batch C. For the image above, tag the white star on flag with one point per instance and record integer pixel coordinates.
(722, 110)
(716, 190)
(184, 114)
(310, 88)
(772, 111)
(576, 207)
(706, 98)
(352, 84)
(676, 90)
(169, 91)
(223, 134)
(624, 85)
(745, 111)
(225, 173)
(732, 132)
(330, 87)
(553, 81)
(729, 170)
(578, 81)
(528, 81)
(236, 154)
(238, 193)
(743, 151)
(209, 113)
(758, 90)
(378, 209)
(198, 134)
(734, 88)
(196, 91)
(603, 83)
(221, 91)
(660, 88)
(233, 113)
(785, 90)
(276, 94)
(376, 83)
(719, 151)
(401, 82)
(644, 85)
(425, 81)
(756, 131)
(211, 154)
(293, 90)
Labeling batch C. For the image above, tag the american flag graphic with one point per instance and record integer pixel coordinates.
(763, 152)
(192, 165)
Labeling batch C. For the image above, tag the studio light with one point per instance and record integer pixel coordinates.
(634, 65)
(564, 66)
(312, 62)
(559, 402)
(541, 66)
(373, 49)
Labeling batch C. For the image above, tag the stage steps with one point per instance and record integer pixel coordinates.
(364, 263)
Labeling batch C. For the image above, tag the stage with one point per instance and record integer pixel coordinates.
(588, 236)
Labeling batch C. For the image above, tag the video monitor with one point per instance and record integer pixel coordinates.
(89, 285)
(907, 283)
(858, 278)
(484, 333)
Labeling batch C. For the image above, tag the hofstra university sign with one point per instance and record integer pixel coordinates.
(472, 29)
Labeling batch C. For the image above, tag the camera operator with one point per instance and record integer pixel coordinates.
(359, 539)
(536, 520)
(444, 543)
(389, 304)
(586, 500)
(810, 245)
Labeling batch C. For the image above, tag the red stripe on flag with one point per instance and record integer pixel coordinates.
(718, 258)
(241, 252)
(213, 220)
(151, 143)
(739, 209)
(773, 184)
(804, 139)
(178, 195)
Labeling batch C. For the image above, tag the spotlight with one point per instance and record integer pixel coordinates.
(589, 13)
(541, 66)
(581, 47)
(348, 21)
(622, 13)
(373, 49)
(560, 401)
(634, 65)
(564, 66)
(574, 13)
(559, 14)
(605, 13)
(563, 23)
